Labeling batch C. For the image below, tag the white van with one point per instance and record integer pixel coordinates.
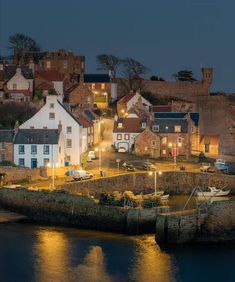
(82, 174)
(91, 156)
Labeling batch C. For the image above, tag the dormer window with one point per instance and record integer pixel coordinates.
(155, 128)
(120, 125)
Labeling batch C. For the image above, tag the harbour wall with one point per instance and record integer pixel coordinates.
(83, 212)
(215, 224)
(175, 183)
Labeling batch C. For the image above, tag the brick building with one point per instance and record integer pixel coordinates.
(6, 145)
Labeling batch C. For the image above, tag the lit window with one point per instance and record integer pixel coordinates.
(21, 149)
(127, 137)
(46, 149)
(164, 140)
(177, 128)
(163, 152)
(33, 149)
(69, 129)
(102, 86)
(119, 137)
(93, 86)
(51, 115)
(156, 128)
(119, 124)
(68, 143)
(52, 106)
(48, 64)
(21, 162)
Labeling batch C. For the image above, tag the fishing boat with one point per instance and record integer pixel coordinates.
(165, 197)
(214, 192)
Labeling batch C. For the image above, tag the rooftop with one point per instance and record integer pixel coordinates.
(37, 136)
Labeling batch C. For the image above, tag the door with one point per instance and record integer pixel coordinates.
(34, 163)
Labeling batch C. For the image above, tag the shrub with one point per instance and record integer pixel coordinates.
(7, 163)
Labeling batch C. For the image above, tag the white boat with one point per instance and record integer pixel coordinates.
(165, 197)
(214, 192)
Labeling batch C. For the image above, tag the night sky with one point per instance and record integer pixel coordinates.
(165, 35)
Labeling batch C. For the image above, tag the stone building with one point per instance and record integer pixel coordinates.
(6, 144)
(80, 96)
(209, 145)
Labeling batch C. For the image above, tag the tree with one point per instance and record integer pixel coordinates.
(156, 78)
(184, 75)
(109, 63)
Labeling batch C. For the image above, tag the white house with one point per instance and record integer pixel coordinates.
(52, 114)
(19, 88)
(125, 131)
(37, 147)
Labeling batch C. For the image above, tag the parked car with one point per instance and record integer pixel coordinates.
(91, 155)
(221, 165)
(148, 166)
(82, 175)
(128, 167)
(205, 167)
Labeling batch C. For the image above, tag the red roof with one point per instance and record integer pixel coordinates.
(127, 97)
(45, 86)
(84, 122)
(25, 92)
(129, 125)
(162, 108)
(51, 75)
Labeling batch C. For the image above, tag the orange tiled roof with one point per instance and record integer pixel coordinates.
(51, 75)
(131, 125)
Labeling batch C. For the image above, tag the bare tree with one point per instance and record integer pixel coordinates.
(109, 63)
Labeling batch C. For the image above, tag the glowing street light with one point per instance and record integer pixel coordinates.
(53, 164)
(100, 150)
(155, 179)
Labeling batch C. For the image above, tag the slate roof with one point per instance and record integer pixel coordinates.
(10, 70)
(6, 135)
(167, 125)
(90, 115)
(177, 115)
(84, 121)
(37, 136)
(95, 78)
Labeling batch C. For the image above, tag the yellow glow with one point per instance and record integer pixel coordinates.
(57, 165)
(170, 145)
(48, 165)
(96, 149)
(103, 149)
(150, 173)
(160, 172)
(179, 144)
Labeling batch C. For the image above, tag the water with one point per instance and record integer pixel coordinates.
(41, 253)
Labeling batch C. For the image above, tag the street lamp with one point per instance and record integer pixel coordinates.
(100, 150)
(53, 172)
(155, 179)
(175, 146)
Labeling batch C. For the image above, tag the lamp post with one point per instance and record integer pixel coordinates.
(53, 164)
(100, 150)
(175, 146)
(155, 179)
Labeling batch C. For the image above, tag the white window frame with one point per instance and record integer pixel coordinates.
(51, 116)
(69, 129)
(68, 143)
(155, 128)
(119, 136)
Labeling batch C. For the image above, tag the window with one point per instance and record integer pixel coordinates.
(69, 129)
(21, 162)
(119, 124)
(193, 129)
(68, 158)
(65, 64)
(45, 161)
(68, 143)
(143, 125)
(127, 137)
(14, 85)
(179, 140)
(52, 106)
(33, 149)
(31, 127)
(164, 140)
(163, 152)
(156, 128)
(119, 137)
(44, 127)
(51, 115)
(207, 148)
(48, 64)
(102, 86)
(46, 149)
(177, 128)
(153, 143)
(93, 86)
(21, 149)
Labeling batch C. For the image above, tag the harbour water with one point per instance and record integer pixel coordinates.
(44, 253)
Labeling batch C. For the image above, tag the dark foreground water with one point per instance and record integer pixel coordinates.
(42, 253)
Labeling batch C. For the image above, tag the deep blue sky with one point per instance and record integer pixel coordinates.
(165, 35)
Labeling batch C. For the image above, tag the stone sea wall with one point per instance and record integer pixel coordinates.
(175, 183)
(83, 212)
(217, 224)
(15, 174)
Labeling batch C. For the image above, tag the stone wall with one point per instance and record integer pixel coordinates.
(15, 174)
(217, 223)
(60, 208)
(175, 183)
